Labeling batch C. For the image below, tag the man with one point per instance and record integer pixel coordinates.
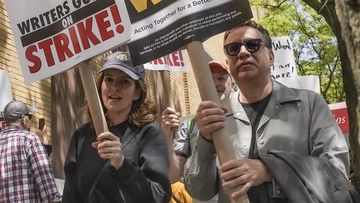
(263, 115)
(181, 148)
(25, 172)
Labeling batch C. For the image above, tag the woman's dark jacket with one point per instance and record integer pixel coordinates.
(143, 176)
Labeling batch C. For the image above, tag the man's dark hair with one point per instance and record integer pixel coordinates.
(253, 24)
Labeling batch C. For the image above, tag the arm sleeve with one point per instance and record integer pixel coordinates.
(201, 177)
(70, 193)
(148, 180)
(327, 139)
(182, 139)
(43, 173)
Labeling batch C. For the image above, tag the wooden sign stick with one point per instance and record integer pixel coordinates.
(223, 146)
(165, 79)
(92, 97)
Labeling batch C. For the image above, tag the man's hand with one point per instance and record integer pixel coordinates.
(238, 176)
(170, 120)
(209, 118)
(42, 134)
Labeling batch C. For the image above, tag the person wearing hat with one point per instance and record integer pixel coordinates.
(181, 147)
(130, 162)
(26, 175)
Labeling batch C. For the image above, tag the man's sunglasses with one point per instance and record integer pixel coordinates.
(251, 45)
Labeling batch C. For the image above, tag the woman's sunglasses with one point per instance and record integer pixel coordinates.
(252, 45)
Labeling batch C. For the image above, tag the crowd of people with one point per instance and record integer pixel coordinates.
(288, 147)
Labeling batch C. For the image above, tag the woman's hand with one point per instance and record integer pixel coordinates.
(109, 147)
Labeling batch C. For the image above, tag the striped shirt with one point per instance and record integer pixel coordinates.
(25, 173)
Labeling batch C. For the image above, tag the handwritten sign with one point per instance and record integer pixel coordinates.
(284, 64)
(284, 68)
(54, 35)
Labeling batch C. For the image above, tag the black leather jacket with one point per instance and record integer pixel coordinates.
(307, 179)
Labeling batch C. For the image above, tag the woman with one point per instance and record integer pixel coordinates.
(129, 163)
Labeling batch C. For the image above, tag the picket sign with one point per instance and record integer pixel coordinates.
(169, 100)
(92, 97)
(223, 146)
(165, 79)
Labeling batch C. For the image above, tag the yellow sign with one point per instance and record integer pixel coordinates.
(141, 5)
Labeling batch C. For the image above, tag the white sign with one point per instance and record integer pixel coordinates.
(173, 62)
(310, 82)
(284, 68)
(52, 36)
(5, 91)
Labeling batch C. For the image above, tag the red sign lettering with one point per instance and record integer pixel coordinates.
(75, 39)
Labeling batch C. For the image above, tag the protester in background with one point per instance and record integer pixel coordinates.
(26, 175)
(263, 115)
(181, 148)
(42, 134)
(128, 164)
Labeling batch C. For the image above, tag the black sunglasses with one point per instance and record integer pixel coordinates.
(251, 45)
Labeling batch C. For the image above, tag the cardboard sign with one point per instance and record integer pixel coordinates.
(284, 68)
(52, 36)
(163, 26)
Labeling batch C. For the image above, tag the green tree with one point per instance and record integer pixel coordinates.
(315, 45)
(348, 15)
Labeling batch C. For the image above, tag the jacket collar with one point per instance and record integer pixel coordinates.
(280, 94)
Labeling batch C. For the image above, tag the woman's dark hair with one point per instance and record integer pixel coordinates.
(253, 24)
(143, 110)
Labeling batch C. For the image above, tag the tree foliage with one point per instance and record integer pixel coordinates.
(315, 46)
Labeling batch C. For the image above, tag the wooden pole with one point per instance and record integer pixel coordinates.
(165, 79)
(92, 97)
(168, 98)
(199, 62)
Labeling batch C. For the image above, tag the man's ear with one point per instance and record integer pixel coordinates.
(23, 121)
(271, 57)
